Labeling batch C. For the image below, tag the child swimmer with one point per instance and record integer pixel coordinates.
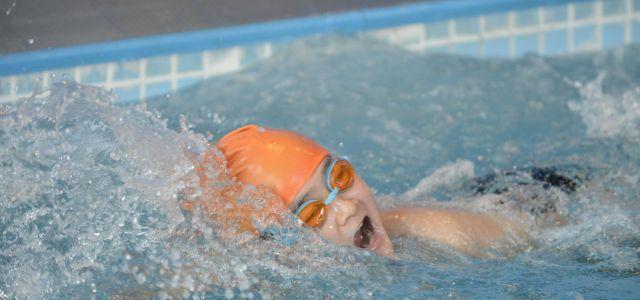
(327, 194)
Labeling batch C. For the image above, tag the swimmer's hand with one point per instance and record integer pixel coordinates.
(467, 232)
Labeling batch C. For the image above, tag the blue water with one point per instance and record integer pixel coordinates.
(90, 191)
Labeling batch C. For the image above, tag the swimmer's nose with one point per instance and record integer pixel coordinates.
(344, 208)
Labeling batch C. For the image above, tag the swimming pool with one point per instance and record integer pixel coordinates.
(91, 183)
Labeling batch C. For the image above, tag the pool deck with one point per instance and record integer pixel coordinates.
(41, 24)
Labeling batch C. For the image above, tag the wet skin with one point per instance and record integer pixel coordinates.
(347, 214)
(354, 211)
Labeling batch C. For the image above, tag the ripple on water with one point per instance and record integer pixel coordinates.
(92, 194)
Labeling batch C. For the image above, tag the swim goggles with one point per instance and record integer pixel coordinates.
(339, 176)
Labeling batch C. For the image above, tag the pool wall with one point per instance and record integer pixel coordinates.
(146, 67)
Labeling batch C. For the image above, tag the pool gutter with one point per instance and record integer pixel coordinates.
(347, 22)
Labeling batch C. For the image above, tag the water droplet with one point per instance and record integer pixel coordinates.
(217, 118)
(228, 293)
(30, 41)
(114, 156)
(11, 8)
(341, 144)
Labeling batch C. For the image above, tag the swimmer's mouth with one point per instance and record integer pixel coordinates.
(364, 235)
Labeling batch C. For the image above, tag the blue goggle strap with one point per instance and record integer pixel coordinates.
(327, 179)
(330, 198)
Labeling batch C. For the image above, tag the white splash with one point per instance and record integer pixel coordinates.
(606, 115)
(444, 176)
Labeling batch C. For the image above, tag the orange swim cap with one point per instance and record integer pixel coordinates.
(280, 159)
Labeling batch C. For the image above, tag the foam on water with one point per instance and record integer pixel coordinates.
(91, 205)
(420, 125)
(103, 201)
(444, 176)
(607, 115)
(77, 178)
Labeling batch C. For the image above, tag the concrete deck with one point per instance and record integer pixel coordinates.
(39, 24)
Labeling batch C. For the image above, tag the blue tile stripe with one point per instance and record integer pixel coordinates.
(135, 48)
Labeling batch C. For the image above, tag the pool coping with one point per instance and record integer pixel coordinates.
(345, 22)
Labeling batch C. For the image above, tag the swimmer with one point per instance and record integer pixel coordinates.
(327, 194)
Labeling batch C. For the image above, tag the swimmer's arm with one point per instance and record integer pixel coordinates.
(466, 232)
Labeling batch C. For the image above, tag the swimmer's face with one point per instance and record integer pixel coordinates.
(353, 218)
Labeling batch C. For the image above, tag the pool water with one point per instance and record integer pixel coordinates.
(90, 191)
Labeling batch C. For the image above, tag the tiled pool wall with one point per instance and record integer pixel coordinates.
(548, 30)
(545, 30)
(138, 80)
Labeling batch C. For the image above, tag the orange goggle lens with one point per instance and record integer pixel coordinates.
(339, 177)
(342, 175)
(313, 214)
